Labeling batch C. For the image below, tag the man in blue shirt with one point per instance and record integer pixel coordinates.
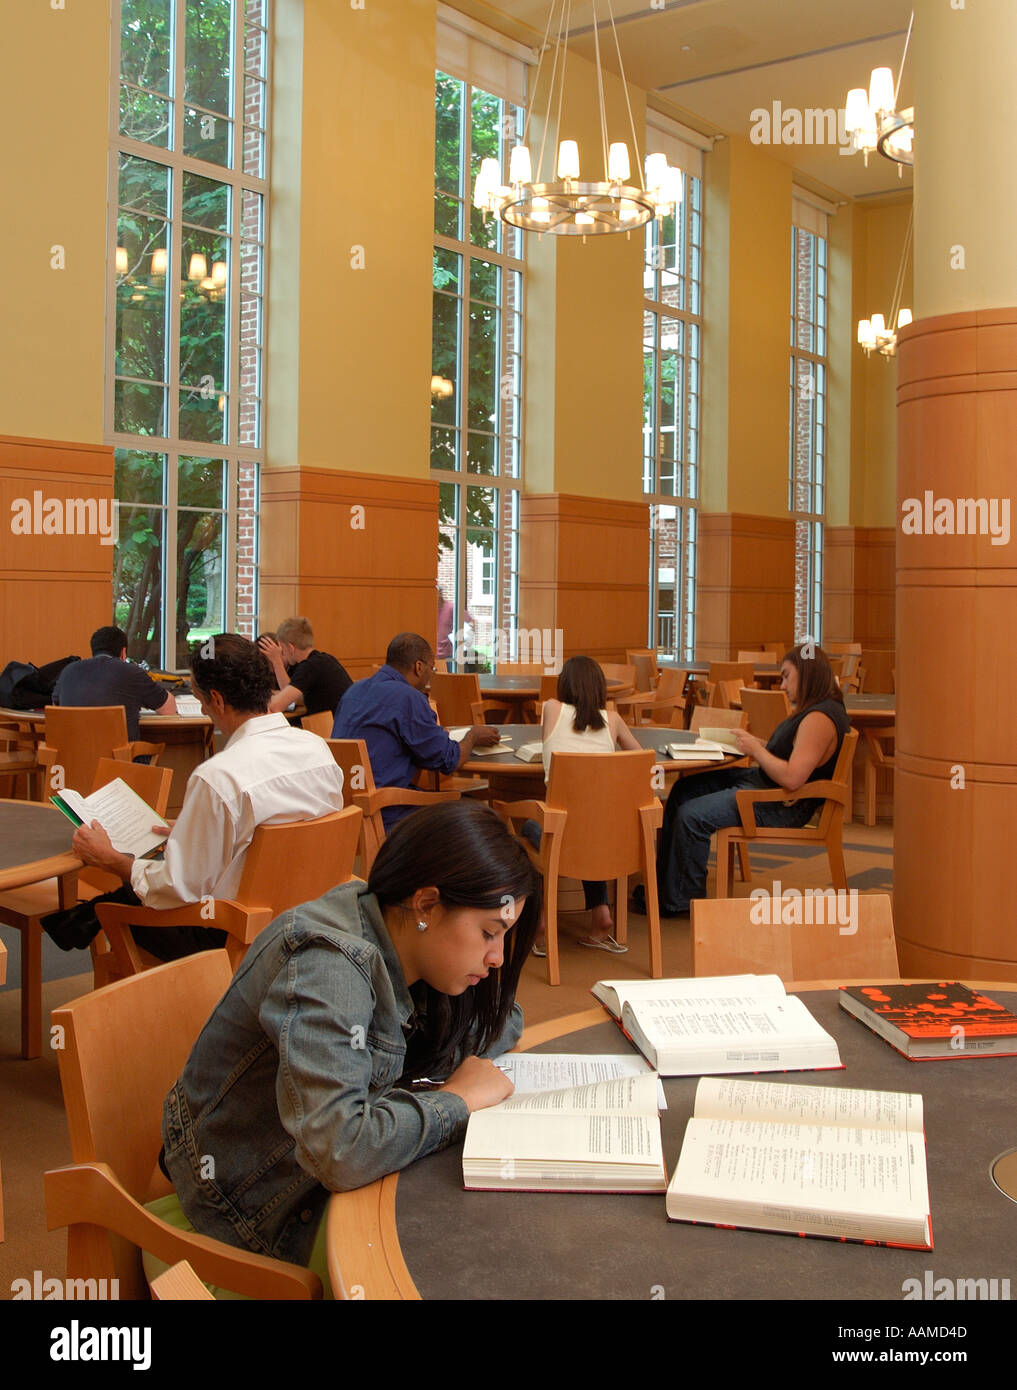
(390, 712)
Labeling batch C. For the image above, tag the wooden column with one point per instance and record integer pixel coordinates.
(746, 581)
(55, 589)
(583, 569)
(354, 552)
(956, 777)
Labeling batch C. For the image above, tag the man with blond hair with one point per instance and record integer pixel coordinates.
(303, 674)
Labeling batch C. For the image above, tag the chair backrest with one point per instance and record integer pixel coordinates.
(825, 936)
(671, 683)
(602, 793)
(644, 659)
(840, 776)
(613, 671)
(841, 648)
(726, 695)
(81, 735)
(741, 671)
(300, 860)
(152, 784)
(320, 723)
(548, 688)
(754, 658)
(353, 758)
(123, 1048)
(712, 717)
(454, 695)
(766, 709)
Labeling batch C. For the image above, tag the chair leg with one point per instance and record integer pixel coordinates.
(551, 928)
(744, 864)
(31, 990)
(724, 865)
(870, 790)
(621, 911)
(835, 851)
(653, 927)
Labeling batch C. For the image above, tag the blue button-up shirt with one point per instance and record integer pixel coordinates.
(400, 729)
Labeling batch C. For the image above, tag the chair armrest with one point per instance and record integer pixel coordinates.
(370, 802)
(811, 791)
(479, 709)
(522, 810)
(90, 1194)
(127, 752)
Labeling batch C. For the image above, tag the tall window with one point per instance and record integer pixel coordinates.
(672, 332)
(186, 293)
(476, 364)
(807, 444)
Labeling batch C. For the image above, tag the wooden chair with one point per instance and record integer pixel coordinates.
(23, 908)
(725, 695)
(521, 668)
(828, 832)
(179, 1284)
(284, 865)
(851, 675)
(123, 1048)
(754, 658)
(842, 648)
(359, 790)
(712, 717)
(728, 938)
(77, 736)
(598, 821)
(644, 660)
(765, 709)
(656, 706)
(457, 700)
(320, 724)
(18, 757)
(879, 745)
(615, 672)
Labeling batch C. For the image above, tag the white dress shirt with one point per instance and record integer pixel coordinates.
(267, 774)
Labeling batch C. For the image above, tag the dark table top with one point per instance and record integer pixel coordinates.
(649, 737)
(512, 1245)
(35, 843)
(524, 686)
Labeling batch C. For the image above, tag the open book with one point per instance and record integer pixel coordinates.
(702, 751)
(725, 737)
(805, 1160)
(734, 1023)
(504, 744)
(126, 819)
(603, 1137)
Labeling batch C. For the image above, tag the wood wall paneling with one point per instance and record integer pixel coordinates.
(745, 582)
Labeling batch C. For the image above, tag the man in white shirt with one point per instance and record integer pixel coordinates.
(268, 773)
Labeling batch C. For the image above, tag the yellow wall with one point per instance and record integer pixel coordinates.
(746, 298)
(879, 234)
(584, 372)
(356, 359)
(54, 100)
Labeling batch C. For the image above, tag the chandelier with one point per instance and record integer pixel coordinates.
(208, 285)
(873, 334)
(873, 121)
(566, 204)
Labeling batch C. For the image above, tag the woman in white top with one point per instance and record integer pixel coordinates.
(577, 722)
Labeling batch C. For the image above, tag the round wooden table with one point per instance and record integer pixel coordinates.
(516, 691)
(604, 1246)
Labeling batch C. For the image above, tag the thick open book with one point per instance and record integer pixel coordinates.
(724, 1023)
(530, 752)
(603, 1137)
(935, 1021)
(805, 1160)
(702, 751)
(126, 819)
(725, 737)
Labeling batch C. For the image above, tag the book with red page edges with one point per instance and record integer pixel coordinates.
(834, 1162)
(937, 1021)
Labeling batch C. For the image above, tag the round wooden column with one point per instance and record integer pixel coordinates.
(955, 856)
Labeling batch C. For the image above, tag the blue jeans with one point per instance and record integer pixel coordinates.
(696, 807)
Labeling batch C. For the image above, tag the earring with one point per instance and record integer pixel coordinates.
(421, 926)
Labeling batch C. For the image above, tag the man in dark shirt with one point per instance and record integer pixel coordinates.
(390, 712)
(108, 678)
(303, 675)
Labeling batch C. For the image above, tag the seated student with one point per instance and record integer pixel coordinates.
(390, 712)
(578, 722)
(108, 678)
(802, 749)
(268, 773)
(303, 674)
(302, 1082)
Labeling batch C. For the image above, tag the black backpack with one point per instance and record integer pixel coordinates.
(24, 686)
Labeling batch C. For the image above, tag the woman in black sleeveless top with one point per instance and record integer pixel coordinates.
(802, 749)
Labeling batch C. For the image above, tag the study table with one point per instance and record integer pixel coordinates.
(516, 691)
(35, 844)
(419, 1234)
(510, 779)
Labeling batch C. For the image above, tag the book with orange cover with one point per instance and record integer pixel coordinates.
(935, 1021)
(826, 1161)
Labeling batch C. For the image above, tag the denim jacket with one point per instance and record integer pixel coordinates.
(288, 1093)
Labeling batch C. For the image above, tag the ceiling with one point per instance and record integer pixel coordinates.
(711, 63)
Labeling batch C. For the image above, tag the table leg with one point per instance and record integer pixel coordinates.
(31, 990)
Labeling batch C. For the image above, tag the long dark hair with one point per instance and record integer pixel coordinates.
(816, 680)
(581, 683)
(463, 849)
